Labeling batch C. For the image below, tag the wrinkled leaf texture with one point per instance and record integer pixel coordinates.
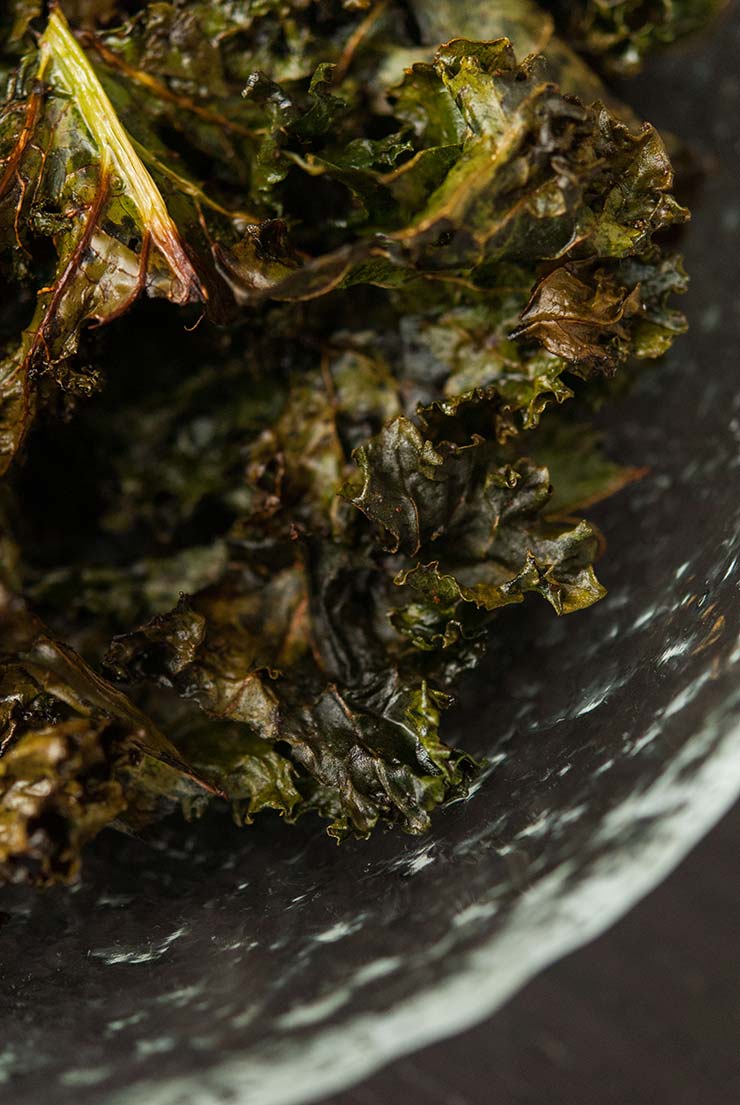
(300, 518)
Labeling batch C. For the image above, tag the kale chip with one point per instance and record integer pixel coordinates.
(620, 33)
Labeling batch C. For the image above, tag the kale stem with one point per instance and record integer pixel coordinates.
(61, 54)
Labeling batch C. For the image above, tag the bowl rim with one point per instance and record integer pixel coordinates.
(677, 810)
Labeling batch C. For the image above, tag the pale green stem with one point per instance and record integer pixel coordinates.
(72, 71)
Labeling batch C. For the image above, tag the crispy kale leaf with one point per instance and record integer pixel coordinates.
(503, 168)
(73, 176)
(295, 660)
(477, 532)
(622, 33)
(75, 754)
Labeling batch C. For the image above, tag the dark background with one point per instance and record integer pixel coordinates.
(648, 1014)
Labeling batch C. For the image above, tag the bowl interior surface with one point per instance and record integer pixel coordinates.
(267, 965)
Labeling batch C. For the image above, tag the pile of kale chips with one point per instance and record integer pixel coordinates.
(300, 297)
